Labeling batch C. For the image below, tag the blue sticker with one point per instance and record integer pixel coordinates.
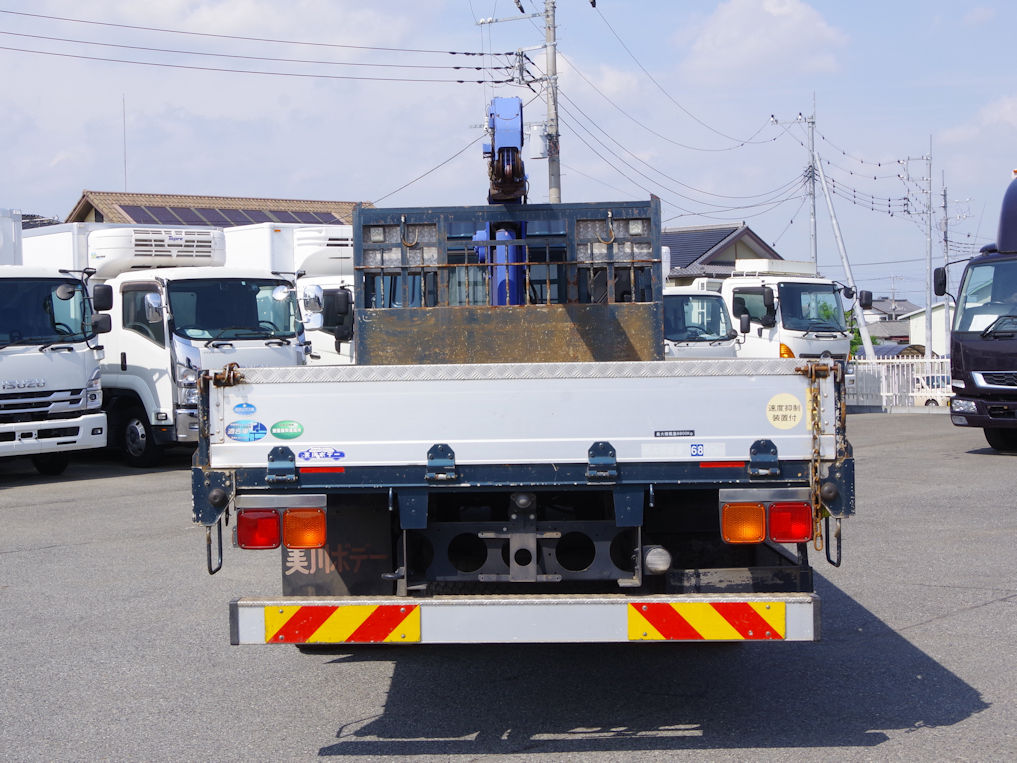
(314, 454)
(246, 431)
(244, 409)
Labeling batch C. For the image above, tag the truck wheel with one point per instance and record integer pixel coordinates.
(139, 446)
(930, 401)
(1001, 439)
(50, 464)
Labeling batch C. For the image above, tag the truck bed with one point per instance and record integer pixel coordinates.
(651, 412)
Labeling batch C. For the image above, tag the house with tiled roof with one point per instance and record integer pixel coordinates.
(218, 211)
(711, 250)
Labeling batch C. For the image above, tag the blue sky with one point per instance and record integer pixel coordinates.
(657, 96)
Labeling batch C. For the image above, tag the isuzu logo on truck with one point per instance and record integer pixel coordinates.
(21, 383)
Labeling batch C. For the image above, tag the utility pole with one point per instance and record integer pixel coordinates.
(946, 261)
(811, 122)
(863, 329)
(810, 174)
(928, 240)
(553, 146)
(551, 128)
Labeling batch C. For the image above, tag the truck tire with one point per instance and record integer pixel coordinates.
(136, 440)
(1001, 439)
(50, 464)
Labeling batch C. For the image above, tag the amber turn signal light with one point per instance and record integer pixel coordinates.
(303, 528)
(743, 522)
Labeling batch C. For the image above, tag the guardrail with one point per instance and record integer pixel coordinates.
(895, 383)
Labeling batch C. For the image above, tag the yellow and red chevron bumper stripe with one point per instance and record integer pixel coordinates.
(349, 624)
(705, 620)
(500, 619)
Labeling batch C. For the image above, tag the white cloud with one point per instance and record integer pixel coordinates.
(756, 39)
(979, 16)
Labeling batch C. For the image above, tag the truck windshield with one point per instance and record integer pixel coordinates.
(232, 308)
(39, 311)
(987, 294)
(695, 318)
(810, 307)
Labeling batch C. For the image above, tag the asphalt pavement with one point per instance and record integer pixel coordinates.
(115, 640)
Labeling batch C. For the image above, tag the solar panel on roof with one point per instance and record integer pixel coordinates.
(138, 214)
(212, 216)
(258, 216)
(236, 217)
(327, 217)
(188, 216)
(283, 216)
(305, 217)
(164, 215)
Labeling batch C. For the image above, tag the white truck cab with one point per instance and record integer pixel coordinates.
(697, 324)
(317, 255)
(50, 395)
(793, 311)
(176, 311)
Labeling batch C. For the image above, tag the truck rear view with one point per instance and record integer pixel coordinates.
(512, 459)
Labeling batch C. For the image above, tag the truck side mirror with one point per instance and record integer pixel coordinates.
(313, 299)
(849, 293)
(342, 302)
(939, 281)
(153, 307)
(865, 299)
(313, 322)
(344, 314)
(768, 320)
(102, 323)
(768, 298)
(744, 323)
(102, 297)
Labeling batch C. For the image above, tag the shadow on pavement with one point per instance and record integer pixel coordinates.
(861, 680)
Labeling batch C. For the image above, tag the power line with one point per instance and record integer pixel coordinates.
(248, 57)
(665, 92)
(246, 71)
(248, 39)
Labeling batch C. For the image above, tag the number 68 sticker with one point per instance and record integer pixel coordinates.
(697, 449)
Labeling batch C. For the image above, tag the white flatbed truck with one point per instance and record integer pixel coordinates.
(524, 472)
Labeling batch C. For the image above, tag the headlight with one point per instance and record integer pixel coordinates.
(187, 385)
(93, 390)
(963, 406)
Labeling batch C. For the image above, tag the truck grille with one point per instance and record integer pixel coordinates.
(20, 407)
(1000, 378)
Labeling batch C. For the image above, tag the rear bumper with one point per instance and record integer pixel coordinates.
(525, 619)
(32, 438)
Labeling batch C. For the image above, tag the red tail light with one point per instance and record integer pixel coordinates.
(258, 528)
(790, 522)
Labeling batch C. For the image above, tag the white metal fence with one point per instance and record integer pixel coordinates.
(901, 383)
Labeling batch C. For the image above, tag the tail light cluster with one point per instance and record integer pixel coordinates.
(754, 522)
(293, 528)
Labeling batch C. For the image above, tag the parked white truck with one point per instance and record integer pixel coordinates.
(533, 471)
(697, 324)
(50, 395)
(793, 311)
(176, 311)
(319, 255)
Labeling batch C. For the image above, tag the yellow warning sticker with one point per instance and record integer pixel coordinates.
(784, 411)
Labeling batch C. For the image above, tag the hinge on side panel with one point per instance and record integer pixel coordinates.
(602, 462)
(441, 464)
(763, 460)
(282, 466)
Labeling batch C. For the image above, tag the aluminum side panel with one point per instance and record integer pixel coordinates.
(515, 414)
